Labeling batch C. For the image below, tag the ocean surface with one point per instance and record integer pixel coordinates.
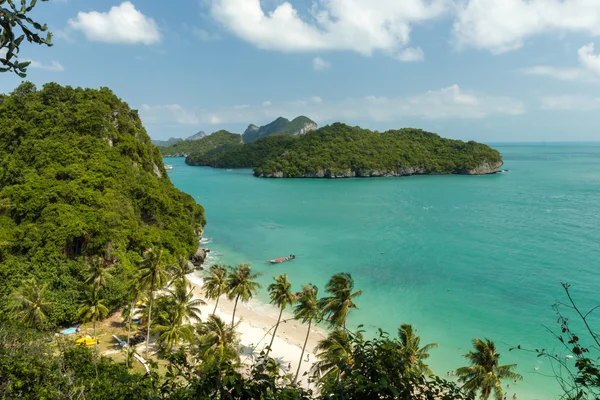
(459, 257)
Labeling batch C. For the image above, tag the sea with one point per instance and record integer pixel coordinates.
(459, 257)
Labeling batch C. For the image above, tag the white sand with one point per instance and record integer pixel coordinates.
(257, 323)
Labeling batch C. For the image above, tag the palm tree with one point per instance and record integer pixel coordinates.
(414, 355)
(172, 330)
(335, 352)
(129, 310)
(241, 284)
(216, 283)
(337, 306)
(153, 275)
(281, 295)
(99, 272)
(484, 374)
(307, 310)
(184, 306)
(217, 340)
(29, 305)
(180, 270)
(92, 308)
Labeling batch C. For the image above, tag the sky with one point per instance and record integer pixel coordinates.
(485, 70)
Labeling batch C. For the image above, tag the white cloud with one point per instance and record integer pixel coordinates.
(446, 103)
(570, 102)
(171, 112)
(319, 64)
(363, 26)
(503, 25)
(122, 24)
(267, 103)
(411, 54)
(54, 66)
(589, 70)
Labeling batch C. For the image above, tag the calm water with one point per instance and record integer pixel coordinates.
(460, 257)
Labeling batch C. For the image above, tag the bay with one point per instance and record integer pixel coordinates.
(457, 256)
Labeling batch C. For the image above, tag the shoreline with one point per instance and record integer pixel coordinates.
(256, 322)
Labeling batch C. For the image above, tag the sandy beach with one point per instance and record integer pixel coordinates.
(257, 321)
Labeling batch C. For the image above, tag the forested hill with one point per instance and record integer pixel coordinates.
(340, 150)
(79, 178)
(281, 126)
(203, 145)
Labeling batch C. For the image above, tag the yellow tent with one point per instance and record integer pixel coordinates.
(86, 341)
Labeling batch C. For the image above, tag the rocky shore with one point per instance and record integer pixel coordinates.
(484, 168)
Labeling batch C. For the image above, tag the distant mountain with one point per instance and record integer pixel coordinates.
(298, 126)
(197, 136)
(169, 142)
(203, 145)
(172, 141)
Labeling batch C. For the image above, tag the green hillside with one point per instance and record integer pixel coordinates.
(201, 146)
(79, 178)
(243, 156)
(340, 150)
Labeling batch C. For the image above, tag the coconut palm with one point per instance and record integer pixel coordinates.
(92, 308)
(280, 294)
(241, 284)
(414, 355)
(172, 331)
(182, 302)
(153, 275)
(217, 341)
(337, 306)
(29, 305)
(180, 270)
(307, 310)
(215, 284)
(484, 375)
(129, 311)
(99, 272)
(334, 354)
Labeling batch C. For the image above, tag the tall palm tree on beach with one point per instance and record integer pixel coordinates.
(153, 276)
(216, 340)
(183, 304)
(172, 330)
(215, 284)
(29, 304)
(92, 308)
(99, 272)
(280, 294)
(307, 310)
(414, 355)
(241, 284)
(484, 375)
(334, 353)
(129, 311)
(337, 306)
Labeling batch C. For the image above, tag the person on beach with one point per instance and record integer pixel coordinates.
(289, 366)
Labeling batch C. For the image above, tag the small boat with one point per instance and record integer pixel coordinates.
(169, 168)
(281, 259)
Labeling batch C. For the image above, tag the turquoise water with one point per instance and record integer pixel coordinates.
(458, 256)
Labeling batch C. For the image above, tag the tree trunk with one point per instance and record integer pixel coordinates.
(302, 354)
(129, 333)
(95, 338)
(234, 307)
(149, 318)
(216, 304)
(274, 333)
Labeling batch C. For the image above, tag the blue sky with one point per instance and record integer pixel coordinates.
(487, 70)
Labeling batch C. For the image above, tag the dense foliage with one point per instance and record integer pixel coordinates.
(281, 126)
(352, 151)
(243, 156)
(79, 178)
(202, 146)
(13, 19)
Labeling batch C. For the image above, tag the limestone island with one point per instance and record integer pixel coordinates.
(343, 151)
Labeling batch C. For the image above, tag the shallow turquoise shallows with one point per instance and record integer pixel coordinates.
(457, 256)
